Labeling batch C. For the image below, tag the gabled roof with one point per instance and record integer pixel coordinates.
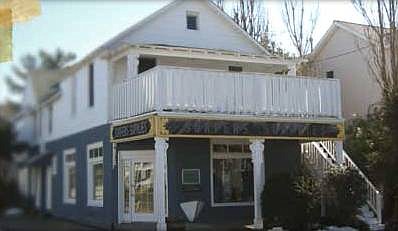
(111, 42)
(174, 3)
(358, 30)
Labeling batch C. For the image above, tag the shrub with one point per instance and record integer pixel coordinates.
(10, 197)
(291, 200)
(345, 193)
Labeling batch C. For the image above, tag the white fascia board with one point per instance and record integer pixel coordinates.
(197, 53)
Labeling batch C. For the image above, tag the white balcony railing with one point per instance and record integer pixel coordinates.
(166, 88)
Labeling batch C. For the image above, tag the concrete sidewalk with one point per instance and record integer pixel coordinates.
(39, 223)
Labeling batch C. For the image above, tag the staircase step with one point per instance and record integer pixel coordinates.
(378, 227)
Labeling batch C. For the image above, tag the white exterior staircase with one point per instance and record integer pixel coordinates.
(323, 155)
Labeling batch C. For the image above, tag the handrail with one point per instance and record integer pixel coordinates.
(329, 147)
(374, 196)
(375, 203)
(352, 164)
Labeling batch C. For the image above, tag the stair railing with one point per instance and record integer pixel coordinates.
(373, 196)
(316, 157)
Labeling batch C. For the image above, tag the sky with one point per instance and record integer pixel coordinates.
(82, 25)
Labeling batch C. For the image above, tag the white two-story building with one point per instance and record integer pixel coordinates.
(181, 116)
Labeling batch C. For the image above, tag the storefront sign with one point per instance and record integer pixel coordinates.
(250, 128)
(132, 129)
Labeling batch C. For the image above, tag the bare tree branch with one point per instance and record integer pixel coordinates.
(382, 37)
(300, 24)
(29, 63)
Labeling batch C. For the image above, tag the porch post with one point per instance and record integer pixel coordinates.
(132, 65)
(339, 152)
(161, 146)
(257, 149)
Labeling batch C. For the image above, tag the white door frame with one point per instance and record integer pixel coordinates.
(133, 156)
(38, 187)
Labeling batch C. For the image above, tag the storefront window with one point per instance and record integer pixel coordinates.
(232, 174)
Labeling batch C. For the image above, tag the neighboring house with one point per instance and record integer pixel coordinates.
(343, 53)
(182, 107)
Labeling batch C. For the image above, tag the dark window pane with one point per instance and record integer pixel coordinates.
(50, 118)
(91, 85)
(70, 158)
(233, 180)
(235, 148)
(192, 22)
(330, 74)
(235, 68)
(220, 148)
(146, 63)
(98, 180)
(72, 183)
(246, 148)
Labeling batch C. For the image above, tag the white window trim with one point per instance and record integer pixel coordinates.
(190, 169)
(65, 180)
(54, 165)
(90, 184)
(214, 155)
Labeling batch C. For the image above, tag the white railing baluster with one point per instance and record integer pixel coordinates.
(212, 91)
(325, 151)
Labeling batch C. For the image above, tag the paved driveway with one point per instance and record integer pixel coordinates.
(37, 223)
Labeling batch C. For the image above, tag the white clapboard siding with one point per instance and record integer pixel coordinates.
(166, 88)
(214, 31)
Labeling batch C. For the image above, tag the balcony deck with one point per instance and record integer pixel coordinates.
(177, 89)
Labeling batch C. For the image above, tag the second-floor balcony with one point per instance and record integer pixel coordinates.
(177, 89)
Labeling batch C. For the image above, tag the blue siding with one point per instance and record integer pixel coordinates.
(80, 211)
(195, 153)
(280, 156)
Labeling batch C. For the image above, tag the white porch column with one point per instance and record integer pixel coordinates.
(161, 146)
(339, 152)
(132, 65)
(257, 149)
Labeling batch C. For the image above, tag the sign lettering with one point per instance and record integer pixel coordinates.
(131, 129)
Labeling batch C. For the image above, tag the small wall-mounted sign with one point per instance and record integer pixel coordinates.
(191, 176)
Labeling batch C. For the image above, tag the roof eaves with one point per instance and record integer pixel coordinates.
(140, 23)
(104, 47)
(121, 35)
(324, 40)
(231, 21)
(353, 32)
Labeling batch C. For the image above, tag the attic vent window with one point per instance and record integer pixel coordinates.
(330, 74)
(192, 20)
